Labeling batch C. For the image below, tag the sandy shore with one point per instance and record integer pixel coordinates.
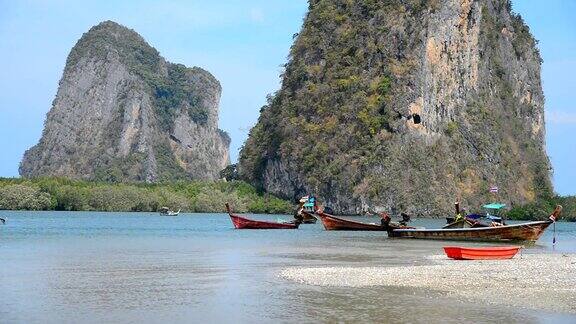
(536, 281)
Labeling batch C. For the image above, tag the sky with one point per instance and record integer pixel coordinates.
(243, 43)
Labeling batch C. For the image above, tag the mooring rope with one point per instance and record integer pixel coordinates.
(554, 236)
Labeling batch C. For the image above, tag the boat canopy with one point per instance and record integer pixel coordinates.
(310, 201)
(494, 206)
(490, 217)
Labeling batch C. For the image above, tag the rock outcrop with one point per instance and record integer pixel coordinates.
(123, 113)
(405, 105)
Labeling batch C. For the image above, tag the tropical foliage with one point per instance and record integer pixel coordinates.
(542, 209)
(19, 196)
(75, 195)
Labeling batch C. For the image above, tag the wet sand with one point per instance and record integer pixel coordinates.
(533, 281)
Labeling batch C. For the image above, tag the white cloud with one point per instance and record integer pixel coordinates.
(561, 117)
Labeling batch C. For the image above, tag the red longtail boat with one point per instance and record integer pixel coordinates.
(245, 223)
(333, 223)
(481, 253)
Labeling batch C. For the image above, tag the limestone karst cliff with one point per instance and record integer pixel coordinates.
(123, 113)
(361, 75)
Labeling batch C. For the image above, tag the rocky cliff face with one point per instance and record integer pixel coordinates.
(122, 113)
(362, 74)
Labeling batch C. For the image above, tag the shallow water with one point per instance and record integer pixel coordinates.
(68, 267)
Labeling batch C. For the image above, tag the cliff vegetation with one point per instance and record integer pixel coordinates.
(405, 105)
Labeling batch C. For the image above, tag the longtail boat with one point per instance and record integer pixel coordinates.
(165, 211)
(332, 223)
(529, 231)
(306, 207)
(245, 223)
(308, 218)
(481, 253)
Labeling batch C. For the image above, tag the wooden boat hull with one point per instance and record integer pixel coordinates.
(245, 223)
(308, 218)
(530, 232)
(332, 223)
(482, 253)
(464, 223)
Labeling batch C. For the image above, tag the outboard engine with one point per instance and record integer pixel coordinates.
(385, 219)
(405, 219)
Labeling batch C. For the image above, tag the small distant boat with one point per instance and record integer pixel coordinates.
(481, 253)
(333, 223)
(529, 231)
(245, 223)
(165, 211)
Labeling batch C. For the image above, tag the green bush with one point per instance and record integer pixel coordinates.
(22, 197)
(542, 209)
(451, 128)
(189, 196)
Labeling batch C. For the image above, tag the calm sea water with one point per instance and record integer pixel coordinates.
(68, 267)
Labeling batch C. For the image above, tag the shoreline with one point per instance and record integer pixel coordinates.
(532, 281)
(246, 213)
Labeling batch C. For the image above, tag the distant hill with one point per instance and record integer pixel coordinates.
(405, 105)
(122, 113)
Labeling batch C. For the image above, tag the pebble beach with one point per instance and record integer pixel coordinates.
(534, 281)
